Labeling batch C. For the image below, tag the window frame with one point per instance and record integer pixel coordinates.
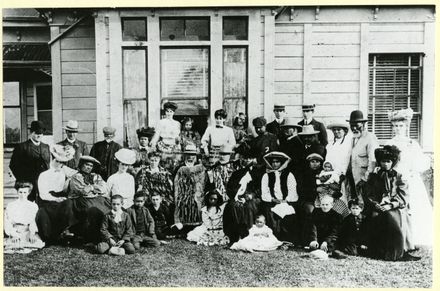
(184, 18)
(372, 96)
(23, 119)
(42, 84)
(134, 18)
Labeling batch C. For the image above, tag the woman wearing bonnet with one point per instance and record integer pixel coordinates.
(412, 163)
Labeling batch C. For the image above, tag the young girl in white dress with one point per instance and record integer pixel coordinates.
(121, 182)
(412, 163)
(260, 238)
(211, 231)
(19, 223)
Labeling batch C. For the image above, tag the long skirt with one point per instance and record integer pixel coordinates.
(386, 240)
(284, 229)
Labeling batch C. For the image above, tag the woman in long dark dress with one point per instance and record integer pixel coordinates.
(244, 192)
(386, 200)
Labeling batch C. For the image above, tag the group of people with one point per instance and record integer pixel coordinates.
(280, 183)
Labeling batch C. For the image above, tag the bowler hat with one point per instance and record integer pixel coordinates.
(126, 156)
(145, 132)
(357, 116)
(108, 130)
(37, 127)
(308, 130)
(259, 121)
(72, 125)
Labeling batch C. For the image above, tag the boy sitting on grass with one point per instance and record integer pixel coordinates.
(352, 238)
(143, 223)
(323, 231)
(162, 216)
(116, 230)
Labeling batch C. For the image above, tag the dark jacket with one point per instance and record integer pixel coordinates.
(105, 154)
(80, 150)
(353, 233)
(148, 219)
(162, 216)
(262, 145)
(322, 135)
(29, 160)
(324, 227)
(122, 230)
(275, 128)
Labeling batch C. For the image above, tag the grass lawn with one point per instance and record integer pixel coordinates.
(184, 264)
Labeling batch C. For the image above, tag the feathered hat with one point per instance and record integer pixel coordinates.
(401, 115)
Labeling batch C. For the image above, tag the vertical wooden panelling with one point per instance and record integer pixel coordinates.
(429, 77)
(307, 61)
(101, 72)
(57, 113)
(153, 70)
(116, 106)
(269, 32)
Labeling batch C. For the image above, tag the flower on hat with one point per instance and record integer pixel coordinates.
(62, 153)
(401, 115)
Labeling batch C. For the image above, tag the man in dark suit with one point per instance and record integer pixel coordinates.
(31, 158)
(274, 126)
(80, 147)
(308, 112)
(104, 151)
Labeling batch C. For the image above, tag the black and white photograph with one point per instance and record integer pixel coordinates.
(219, 146)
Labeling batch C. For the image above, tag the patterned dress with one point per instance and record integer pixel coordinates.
(160, 180)
(210, 233)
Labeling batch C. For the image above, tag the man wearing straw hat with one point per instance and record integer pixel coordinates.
(79, 146)
(308, 112)
(274, 127)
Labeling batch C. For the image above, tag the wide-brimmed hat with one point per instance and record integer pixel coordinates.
(89, 159)
(277, 155)
(289, 122)
(37, 127)
(306, 107)
(145, 132)
(314, 156)
(259, 122)
(357, 116)
(308, 130)
(170, 105)
(338, 124)
(72, 125)
(190, 149)
(126, 156)
(108, 130)
(62, 153)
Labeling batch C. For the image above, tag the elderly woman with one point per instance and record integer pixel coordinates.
(88, 195)
(167, 137)
(386, 204)
(412, 163)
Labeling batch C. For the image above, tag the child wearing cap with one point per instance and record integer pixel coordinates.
(121, 182)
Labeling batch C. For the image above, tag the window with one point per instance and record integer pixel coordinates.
(11, 112)
(134, 93)
(44, 106)
(189, 28)
(234, 81)
(235, 28)
(134, 29)
(395, 82)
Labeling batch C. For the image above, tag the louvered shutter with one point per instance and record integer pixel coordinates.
(395, 82)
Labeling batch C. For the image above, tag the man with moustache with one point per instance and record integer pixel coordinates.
(31, 158)
(362, 160)
(80, 146)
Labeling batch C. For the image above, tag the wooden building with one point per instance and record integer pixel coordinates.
(118, 66)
